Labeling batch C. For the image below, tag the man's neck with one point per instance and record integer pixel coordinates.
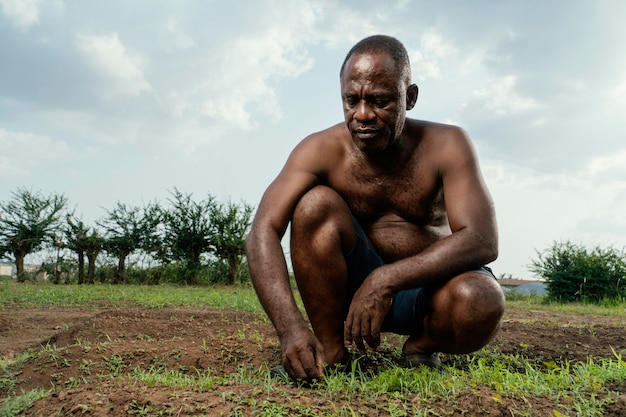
(390, 159)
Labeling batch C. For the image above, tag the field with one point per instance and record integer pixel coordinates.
(170, 351)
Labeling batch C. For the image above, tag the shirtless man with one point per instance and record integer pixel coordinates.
(391, 225)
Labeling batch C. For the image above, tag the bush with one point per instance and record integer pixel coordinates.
(216, 272)
(572, 273)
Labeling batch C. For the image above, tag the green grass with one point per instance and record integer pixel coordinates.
(148, 296)
(407, 392)
(228, 298)
(534, 302)
(574, 388)
(14, 405)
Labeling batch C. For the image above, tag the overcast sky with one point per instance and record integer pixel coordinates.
(108, 101)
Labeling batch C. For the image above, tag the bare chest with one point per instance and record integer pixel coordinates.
(413, 195)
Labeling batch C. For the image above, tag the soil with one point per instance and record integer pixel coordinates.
(80, 349)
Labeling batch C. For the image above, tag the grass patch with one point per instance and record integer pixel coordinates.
(538, 303)
(149, 296)
(408, 392)
(12, 406)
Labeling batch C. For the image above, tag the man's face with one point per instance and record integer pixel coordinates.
(374, 101)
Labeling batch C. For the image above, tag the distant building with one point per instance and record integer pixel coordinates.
(511, 284)
(523, 286)
(7, 269)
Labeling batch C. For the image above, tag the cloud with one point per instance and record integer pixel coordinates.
(535, 208)
(231, 84)
(501, 99)
(619, 93)
(21, 152)
(608, 167)
(110, 57)
(426, 61)
(177, 38)
(23, 13)
(607, 225)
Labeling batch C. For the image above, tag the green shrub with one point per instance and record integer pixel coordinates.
(572, 273)
(105, 273)
(216, 272)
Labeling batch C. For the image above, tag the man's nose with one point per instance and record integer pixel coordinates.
(364, 112)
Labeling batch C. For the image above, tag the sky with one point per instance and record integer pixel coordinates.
(122, 101)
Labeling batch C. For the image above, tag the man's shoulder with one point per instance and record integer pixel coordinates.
(331, 139)
(321, 150)
(441, 142)
(333, 132)
(437, 134)
(430, 127)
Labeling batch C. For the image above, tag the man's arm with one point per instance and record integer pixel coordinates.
(302, 352)
(472, 243)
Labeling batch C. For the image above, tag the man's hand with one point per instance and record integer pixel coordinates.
(303, 355)
(368, 310)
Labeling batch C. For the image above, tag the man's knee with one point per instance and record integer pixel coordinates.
(484, 306)
(318, 204)
(476, 303)
(480, 298)
(323, 213)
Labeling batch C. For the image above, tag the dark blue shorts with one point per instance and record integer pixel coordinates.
(408, 306)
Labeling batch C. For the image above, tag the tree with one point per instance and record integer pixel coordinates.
(93, 244)
(572, 273)
(27, 222)
(230, 223)
(187, 232)
(128, 229)
(86, 242)
(75, 235)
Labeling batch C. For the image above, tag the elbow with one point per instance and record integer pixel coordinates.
(491, 253)
(485, 247)
(489, 249)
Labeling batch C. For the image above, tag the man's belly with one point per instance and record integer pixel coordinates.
(395, 238)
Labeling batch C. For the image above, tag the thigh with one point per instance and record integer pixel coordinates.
(361, 260)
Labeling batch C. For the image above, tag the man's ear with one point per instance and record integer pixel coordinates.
(411, 96)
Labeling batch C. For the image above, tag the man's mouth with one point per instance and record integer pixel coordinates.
(366, 133)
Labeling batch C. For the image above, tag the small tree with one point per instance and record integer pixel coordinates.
(93, 244)
(127, 229)
(231, 223)
(27, 222)
(187, 232)
(86, 243)
(75, 235)
(572, 273)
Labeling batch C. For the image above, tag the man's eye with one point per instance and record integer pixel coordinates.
(381, 102)
(351, 101)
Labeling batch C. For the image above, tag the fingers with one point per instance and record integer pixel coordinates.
(357, 329)
(364, 331)
(319, 362)
(306, 364)
(347, 330)
(353, 330)
(374, 334)
(362, 328)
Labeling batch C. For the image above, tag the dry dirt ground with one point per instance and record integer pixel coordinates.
(91, 345)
